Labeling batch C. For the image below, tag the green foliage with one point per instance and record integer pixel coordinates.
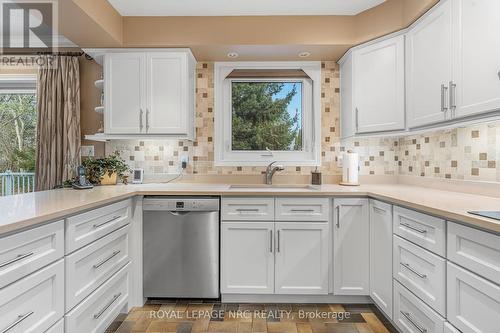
(260, 122)
(17, 132)
(97, 168)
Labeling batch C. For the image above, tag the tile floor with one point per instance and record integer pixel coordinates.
(197, 316)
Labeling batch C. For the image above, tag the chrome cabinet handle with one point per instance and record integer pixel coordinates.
(453, 102)
(338, 216)
(17, 258)
(411, 269)
(301, 210)
(140, 119)
(102, 262)
(20, 318)
(278, 242)
(98, 314)
(409, 226)
(247, 210)
(444, 89)
(95, 226)
(271, 241)
(418, 327)
(147, 120)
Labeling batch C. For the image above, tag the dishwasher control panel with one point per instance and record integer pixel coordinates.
(180, 204)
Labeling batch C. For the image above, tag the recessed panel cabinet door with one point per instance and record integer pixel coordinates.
(477, 55)
(379, 87)
(381, 255)
(429, 67)
(302, 258)
(351, 247)
(125, 92)
(166, 112)
(247, 258)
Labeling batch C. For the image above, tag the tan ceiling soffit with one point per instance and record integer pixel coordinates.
(208, 36)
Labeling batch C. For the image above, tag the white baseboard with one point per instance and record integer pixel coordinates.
(337, 299)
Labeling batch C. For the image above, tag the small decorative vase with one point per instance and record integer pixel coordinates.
(109, 180)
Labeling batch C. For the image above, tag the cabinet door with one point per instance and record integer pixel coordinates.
(429, 65)
(379, 86)
(247, 258)
(125, 90)
(302, 258)
(347, 117)
(167, 77)
(473, 303)
(381, 255)
(351, 247)
(477, 51)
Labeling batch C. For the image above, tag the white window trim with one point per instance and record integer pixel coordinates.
(311, 106)
(18, 83)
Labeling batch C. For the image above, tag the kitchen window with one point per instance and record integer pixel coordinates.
(267, 112)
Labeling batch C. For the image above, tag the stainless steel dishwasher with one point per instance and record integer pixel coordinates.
(181, 247)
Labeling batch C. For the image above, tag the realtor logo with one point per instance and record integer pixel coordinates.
(28, 24)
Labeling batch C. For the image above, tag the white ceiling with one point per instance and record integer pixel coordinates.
(241, 7)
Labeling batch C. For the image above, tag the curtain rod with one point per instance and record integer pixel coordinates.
(68, 54)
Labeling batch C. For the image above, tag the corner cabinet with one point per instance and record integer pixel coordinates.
(148, 92)
(372, 88)
(351, 247)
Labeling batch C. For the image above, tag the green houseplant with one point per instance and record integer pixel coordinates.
(107, 170)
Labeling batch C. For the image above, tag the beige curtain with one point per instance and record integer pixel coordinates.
(58, 131)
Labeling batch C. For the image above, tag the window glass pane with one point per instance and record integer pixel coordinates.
(17, 132)
(266, 115)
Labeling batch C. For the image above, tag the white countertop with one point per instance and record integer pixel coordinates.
(26, 210)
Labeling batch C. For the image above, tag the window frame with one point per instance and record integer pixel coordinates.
(18, 84)
(311, 113)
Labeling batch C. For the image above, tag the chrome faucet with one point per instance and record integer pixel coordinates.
(270, 170)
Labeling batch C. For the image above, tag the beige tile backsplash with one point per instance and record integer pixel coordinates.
(468, 153)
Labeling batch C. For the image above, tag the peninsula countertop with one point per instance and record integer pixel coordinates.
(22, 211)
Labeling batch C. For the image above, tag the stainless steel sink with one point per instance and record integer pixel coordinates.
(274, 186)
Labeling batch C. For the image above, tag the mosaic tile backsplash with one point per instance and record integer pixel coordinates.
(469, 153)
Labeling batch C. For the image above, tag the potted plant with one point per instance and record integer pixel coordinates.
(107, 170)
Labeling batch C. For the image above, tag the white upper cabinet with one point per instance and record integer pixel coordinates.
(429, 67)
(149, 92)
(476, 28)
(125, 93)
(372, 88)
(351, 247)
(379, 87)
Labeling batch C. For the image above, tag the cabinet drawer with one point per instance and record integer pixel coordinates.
(422, 229)
(34, 303)
(92, 265)
(87, 227)
(421, 272)
(411, 315)
(57, 328)
(473, 302)
(25, 252)
(302, 209)
(248, 209)
(449, 328)
(476, 250)
(99, 310)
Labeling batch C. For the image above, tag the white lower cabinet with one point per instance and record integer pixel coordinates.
(351, 247)
(381, 255)
(57, 328)
(422, 272)
(99, 310)
(449, 328)
(473, 302)
(35, 303)
(89, 267)
(301, 258)
(247, 257)
(411, 315)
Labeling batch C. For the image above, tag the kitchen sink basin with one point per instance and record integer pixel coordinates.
(272, 187)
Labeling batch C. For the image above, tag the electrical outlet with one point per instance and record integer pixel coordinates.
(184, 161)
(87, 151)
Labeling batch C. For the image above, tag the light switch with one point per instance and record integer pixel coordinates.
(87, 151)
